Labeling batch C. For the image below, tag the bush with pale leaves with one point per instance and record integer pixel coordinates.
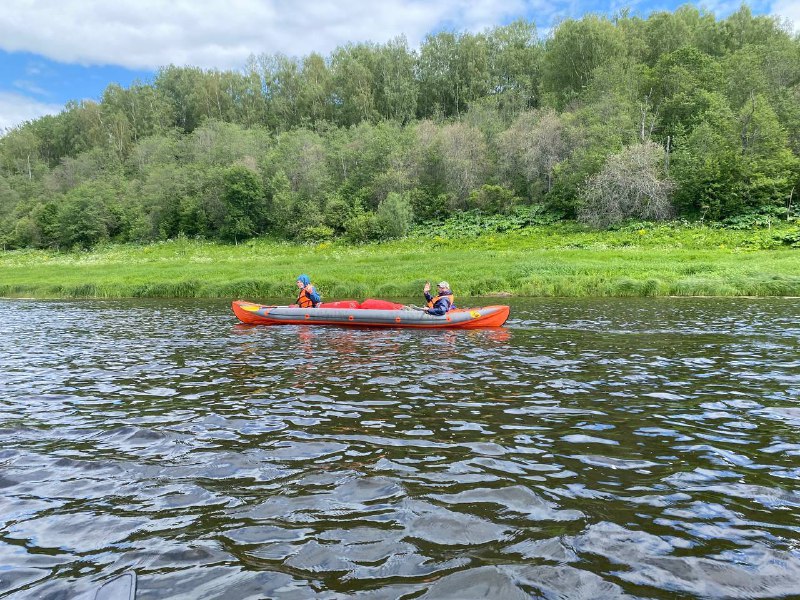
(631, 185)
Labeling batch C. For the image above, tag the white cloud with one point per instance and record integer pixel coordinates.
(144, 34)
(788, 9)
(30, 87)
(16, 109)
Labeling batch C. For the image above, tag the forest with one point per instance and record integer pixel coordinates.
(603, 121)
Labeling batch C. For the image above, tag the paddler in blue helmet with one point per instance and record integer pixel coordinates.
(442, 302)
(308, 298)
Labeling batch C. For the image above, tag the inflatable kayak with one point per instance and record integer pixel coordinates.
(370, 313)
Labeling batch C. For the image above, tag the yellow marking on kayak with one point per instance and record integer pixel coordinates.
(250, 307)
(474, 314)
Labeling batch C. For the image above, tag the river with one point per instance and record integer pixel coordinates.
(605, 448)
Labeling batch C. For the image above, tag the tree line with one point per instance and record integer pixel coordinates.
(604, 120)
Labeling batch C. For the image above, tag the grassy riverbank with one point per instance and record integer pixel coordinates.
(561, 260)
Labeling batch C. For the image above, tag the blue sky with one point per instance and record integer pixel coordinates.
(54, 51)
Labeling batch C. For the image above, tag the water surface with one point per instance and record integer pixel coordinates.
(642, 448)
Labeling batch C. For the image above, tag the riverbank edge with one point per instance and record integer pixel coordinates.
(492, 266)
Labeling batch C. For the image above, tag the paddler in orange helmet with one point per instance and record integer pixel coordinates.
(308, 298)
(442, 302)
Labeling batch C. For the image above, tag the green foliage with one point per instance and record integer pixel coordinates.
(515, 57)
(789, 238)
(364, 227)
(354, 79)
(492, 199)
(666, 32)
(475, 223)
(765, 217)
(88, 214)
(26, 234)
(574, 51)
(317, 148)
(394, 216)
(530, 151)
(48, 223)
(337, 212)
(397, 87)
(302, 157)
(426, 206)
(685, 81)
(733, 165)
(560, 259)
(244, 202)
(315, 233)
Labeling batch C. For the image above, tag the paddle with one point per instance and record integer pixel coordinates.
(414, 307)
(122, 587)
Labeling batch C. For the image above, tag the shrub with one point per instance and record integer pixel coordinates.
(492, 199)
(629, 186)
(789, 238)
(315, 233)
(337, 212)
(363, 227)
(427, 206)
(764, 217)
(395, 216)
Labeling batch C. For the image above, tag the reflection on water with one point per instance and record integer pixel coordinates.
(590, 449)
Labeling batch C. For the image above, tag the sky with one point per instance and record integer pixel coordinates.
(54, 51)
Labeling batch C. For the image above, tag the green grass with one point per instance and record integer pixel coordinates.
(552, 260)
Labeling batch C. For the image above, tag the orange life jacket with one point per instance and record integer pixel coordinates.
(450, 297)
(303, 301)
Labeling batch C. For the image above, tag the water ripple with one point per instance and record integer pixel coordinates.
(590, 449)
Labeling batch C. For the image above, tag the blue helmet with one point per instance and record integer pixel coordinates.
(304, 278)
